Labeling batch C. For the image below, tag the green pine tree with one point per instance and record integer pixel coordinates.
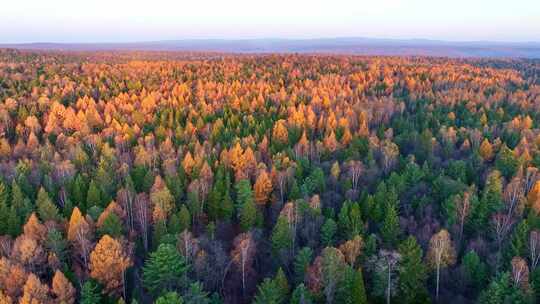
(358, 294)
(519, 241)
(350, 220)
(301, 295)
(248, 215)
(20, 202)
(4, 209)
(268, 293)
(390, 229)
(502, 290)
(112, 225)
(78, 192)
(475, 271)
(196, 295)
(490, 202)
(352, 290)
(227, 207)
(164, 270)
(281, 235)
(90, 293)
(184, 218)
(216, 196)
(412, 273)
(160, 231)
(506, 162)
(171, 297)
(93, 196)
(14, 223)
(282, 283)
(46, 209)
(328, 232)
(302, 261)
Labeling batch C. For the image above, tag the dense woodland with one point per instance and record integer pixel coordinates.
(132, 177)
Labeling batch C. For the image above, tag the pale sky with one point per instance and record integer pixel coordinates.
(153, 20)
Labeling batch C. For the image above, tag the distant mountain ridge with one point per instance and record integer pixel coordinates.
(344, 45)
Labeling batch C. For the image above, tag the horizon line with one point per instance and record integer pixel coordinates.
(240, 39)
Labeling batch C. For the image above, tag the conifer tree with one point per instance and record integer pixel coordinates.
(412, 273)
(164, 270)
(328, 232)
(90, 293)
(301, 295)
(301, 263)
(390, 229)
(184, 219)
(47, 210)
(93, 196)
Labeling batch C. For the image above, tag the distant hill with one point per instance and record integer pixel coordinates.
(354, 45)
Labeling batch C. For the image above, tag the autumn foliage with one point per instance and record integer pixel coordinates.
(268, 178)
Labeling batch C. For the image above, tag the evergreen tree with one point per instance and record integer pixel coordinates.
(412, 273)
(281, 235)
(248, 215)
(90, 293)
(160, 231)
(352, 291)
(170, 298)
(78, 192)
(4, 209)
(390, 229)
(112, 225)
(301, 295)
(57, 244)
(174, 226)
(196, 295)
(164, 269)
(217, 194)
(501, 290)
(518, 242)
(47, 210)
(328, 232)
(490, 202)
(350, 220)
(380, 203)
(175, 184)
(184, 219)
(14, 222)
(227, 207)
(506, 162)
(294, 192)
(301, 263)
(474, 270)
(93, 196)
(282, 283)
(268, 293)
(20, 202)
(244, 193)
(358, 293)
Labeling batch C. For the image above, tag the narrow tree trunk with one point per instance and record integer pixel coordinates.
(438, 276)
(243, 278)
(388, 285)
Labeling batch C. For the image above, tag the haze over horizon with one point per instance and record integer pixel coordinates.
(64, 21)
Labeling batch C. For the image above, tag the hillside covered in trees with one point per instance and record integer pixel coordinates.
(170, 177)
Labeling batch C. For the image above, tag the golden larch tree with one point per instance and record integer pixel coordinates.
(34, 229)
(486, 150)
(108, 263)
(63, 289)
(280, 133)
(262, 187)
(35, 292)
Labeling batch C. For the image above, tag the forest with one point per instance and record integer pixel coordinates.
(206, 178)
